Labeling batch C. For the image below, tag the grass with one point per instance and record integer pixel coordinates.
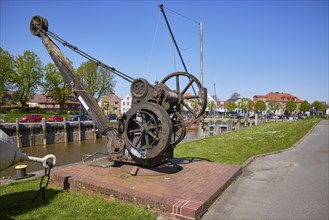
(233, 147)
(237, 146)
(64, 205)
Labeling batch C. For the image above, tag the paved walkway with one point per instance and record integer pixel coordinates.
(288, 185)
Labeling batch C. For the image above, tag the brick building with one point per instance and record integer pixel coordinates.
(110, 104)
(46, 102)
(276, 97)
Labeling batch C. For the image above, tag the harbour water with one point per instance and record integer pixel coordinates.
(73, 152)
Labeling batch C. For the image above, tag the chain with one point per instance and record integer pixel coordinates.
(42, 189)
(42, 186)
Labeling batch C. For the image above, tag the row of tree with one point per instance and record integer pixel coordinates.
(246, 105)
(25, 75)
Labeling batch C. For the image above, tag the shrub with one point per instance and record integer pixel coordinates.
(15, 111)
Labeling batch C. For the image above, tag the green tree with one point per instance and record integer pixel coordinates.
(99, 81)
(274, 106)
(6, 69)
(211, 106)
(319, 106)
(305, 106)
(27, 78)
(55, 85)
(245, 105)
(291, 106)
(230, 106)
(251, 105)
(260, 106)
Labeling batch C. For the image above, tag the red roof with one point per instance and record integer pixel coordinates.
(277, 97)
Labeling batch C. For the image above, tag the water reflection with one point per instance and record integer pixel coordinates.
(72, 152)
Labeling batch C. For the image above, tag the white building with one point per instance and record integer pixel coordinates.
(126, 103)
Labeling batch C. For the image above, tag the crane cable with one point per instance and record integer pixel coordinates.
(87, 56)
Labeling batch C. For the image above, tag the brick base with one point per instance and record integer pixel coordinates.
(186, 194)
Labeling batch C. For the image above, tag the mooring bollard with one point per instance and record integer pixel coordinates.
(43, 123)
(21, 170)
(18, 141)
(79, 129)
(65, 131)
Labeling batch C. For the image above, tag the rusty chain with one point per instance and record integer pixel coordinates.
(42, 189)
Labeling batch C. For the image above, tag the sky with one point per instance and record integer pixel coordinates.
(249, 47)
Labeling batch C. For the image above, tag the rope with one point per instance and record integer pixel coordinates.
(153, 44)
(182, 15)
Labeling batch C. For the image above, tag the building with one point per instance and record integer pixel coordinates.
(47, 103)
(126, 103)
(276, 97)
(110, 104)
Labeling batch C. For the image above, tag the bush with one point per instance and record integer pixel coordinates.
(15, 111)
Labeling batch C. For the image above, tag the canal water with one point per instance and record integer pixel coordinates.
(73, 152)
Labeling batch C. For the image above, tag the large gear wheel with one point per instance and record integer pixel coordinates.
(148, 131)
(192, 96)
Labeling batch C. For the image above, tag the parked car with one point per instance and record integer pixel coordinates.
(112, 117)
(31, 118)
(55, 118)
(77, 117)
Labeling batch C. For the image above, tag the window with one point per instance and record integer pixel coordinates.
(128, 103)
(106, 104)
(123, 103)
(128, 98)
(48, 99)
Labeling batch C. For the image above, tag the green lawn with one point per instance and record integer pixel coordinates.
(233, 147)
(237, 146)
(64, 205)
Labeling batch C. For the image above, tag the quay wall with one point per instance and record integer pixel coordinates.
(43, 133)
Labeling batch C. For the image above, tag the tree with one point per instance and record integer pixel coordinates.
(99, 81)
(245, 105)
(56, 85)
(211, 106)
(260, 106)
(230, 106)
(291, 106)
(27, 78)
(318, 106)
(251, 105)
(305, 106)
(274, 106)
(6, 69)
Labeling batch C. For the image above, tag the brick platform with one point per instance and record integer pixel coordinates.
(186, 194)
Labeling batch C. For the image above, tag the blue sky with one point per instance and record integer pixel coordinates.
(250, 47)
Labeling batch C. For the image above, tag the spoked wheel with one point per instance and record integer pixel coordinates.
(179, 129)
(192, 97)
(148, 131)
(38, 21)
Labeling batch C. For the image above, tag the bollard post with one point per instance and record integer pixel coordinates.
(65, 131)
(256, 119)
(43, 123)
(79, 129)
(20, 171)
(17, 134)
(229, 125)
(238, 123)
(94, 131)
